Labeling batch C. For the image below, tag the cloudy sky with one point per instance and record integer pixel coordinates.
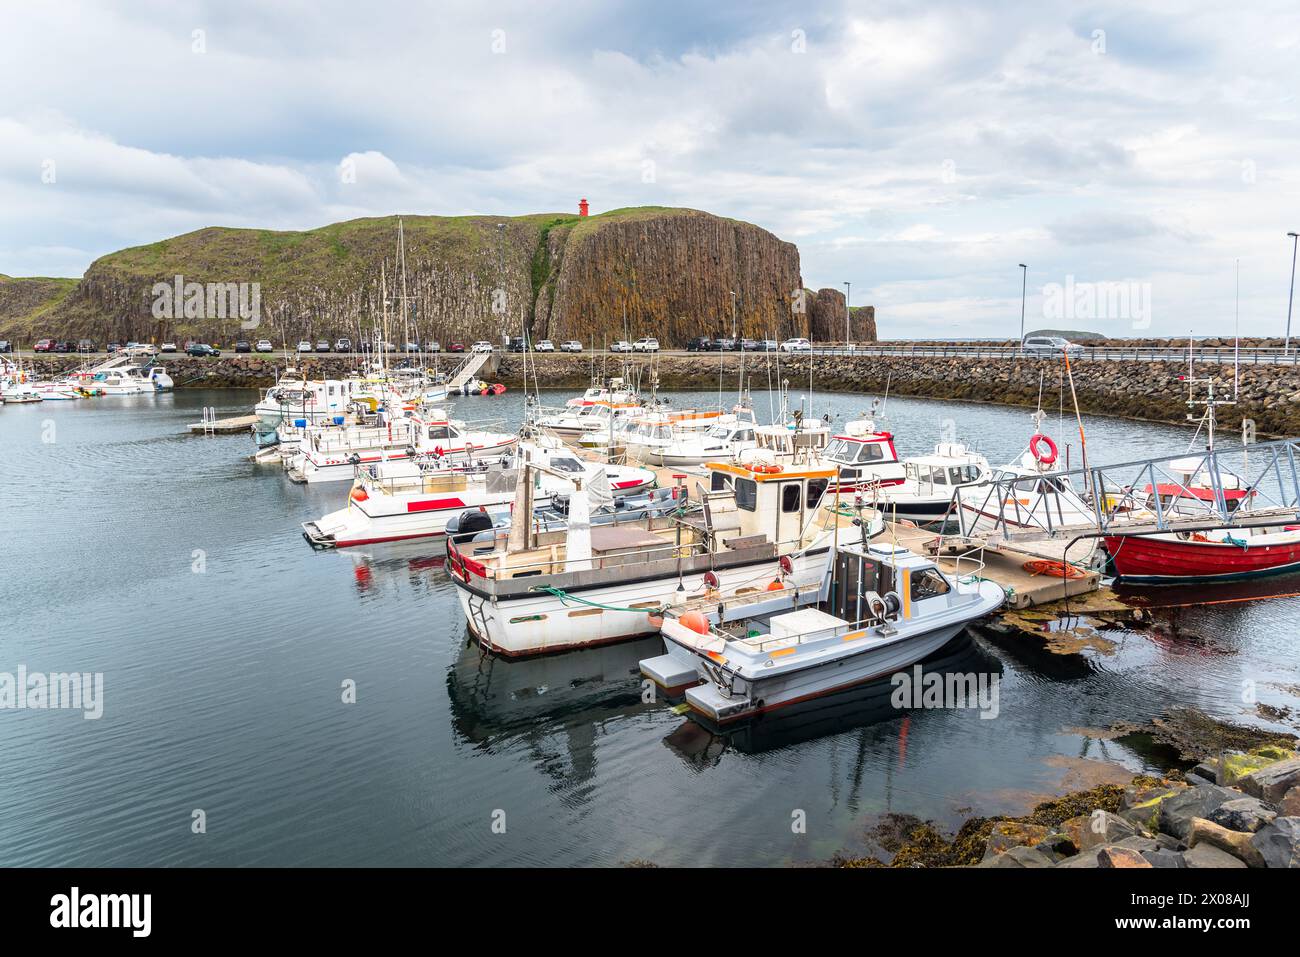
(919, 151)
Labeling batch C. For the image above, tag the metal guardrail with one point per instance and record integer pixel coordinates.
(1247, 485)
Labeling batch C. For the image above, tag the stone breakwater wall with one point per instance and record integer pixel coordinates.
(1269, 394)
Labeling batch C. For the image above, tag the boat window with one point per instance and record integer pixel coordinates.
(566, 465)
(790, 495)
(720, 482)
(439, 432)
(1026, 485)
(718, 432)
(746, 436)
(871, 452)
(816, 489)
(928, 583)
(746, 494)
(940, 477)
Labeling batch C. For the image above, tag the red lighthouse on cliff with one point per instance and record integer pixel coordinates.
(582, 207)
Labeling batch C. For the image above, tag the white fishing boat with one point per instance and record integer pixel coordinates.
(550, 592)
(722, 442)
(614, 394)
(130, 379)
(930, 483)
(20, 392)
(314, 401)
(1038, 498)
(402, 500)
(864, 457)
(573, 423)
(882, 609)
(330, 452)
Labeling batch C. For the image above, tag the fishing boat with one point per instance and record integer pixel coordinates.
(930, 483)
(549, 592)
(400, 500)
(20, 392)
(1028, 493)
(864, 457)
(330, 452)
(131, 379)
(667, 444)
(1207, 501)
(883, 609)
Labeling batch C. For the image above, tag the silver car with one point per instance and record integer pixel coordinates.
(1049, 346)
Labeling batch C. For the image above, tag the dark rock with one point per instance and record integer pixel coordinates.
(1104, 827)
(1115, 856)
(1020, 856)
(1006, 835)
(1278, 843)
(1236, 843)
(1086, 859)
(1207, 855)
(1243, 814)
(1272, 782)
(1163, 857)
(1177, 812)
(1289, 806)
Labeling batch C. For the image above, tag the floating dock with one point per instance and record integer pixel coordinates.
(238, 423)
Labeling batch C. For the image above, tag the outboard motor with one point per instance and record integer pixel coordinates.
(468, 525)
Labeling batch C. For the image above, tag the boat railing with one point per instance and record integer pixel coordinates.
(968, 582)
(555, 563)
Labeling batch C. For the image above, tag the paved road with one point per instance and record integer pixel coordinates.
(1224, 354)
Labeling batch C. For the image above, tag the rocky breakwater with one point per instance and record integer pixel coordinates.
(1269, 394)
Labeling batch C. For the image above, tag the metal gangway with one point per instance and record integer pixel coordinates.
(467, 370)
(1245, 486)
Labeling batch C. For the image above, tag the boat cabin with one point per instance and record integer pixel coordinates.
(769, 501)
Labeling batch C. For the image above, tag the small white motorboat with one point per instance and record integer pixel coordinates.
(882, 609)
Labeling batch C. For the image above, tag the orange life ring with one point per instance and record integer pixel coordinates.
(1043, 458)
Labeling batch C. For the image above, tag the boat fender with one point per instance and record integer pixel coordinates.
(358, 494)
(1035, 449)
(787, 566)
(710, 580)
(696, 622)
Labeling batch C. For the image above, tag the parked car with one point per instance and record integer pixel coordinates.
(698, 344)
(343, 345)
(433, 345)
(304, 346)
(43, 345)
(546, 345)
(86, 345)
(722, 345)
(797, 344)
(517, 344)
(484, 346)
(622, 345)
(411, 347)
(113, 347)
(769, 345)
(165, 347)
(6, 346)
(65, 345)
(242, 345)
(365, 345)
(646, 344)
(456, 347)
(573, 345)
(388, 346)
(264, 345)
(1049, 346)
(202, 349)
(322, 345)
(747, 345)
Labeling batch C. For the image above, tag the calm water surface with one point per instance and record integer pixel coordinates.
(174, 566)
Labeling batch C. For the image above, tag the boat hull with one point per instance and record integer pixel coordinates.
(1152, 558)
(543, 623)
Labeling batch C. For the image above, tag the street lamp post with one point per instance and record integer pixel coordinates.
(1024, 279)
(1295, 239)
(735, 332)
(848, 288)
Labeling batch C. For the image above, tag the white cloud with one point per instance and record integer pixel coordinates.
(920, 153)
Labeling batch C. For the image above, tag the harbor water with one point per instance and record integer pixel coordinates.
(175, 567)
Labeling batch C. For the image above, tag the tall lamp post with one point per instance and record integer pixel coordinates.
(1295, 238)
(735, 332)
(848, 288)
(1024, 279)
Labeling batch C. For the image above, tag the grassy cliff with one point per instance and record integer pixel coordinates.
(467, 277)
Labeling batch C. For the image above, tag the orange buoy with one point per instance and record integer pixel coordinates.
(359, 494)
(775, 585)
(696, 622)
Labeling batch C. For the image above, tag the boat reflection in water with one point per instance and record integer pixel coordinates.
(699, 742)
(495, 699)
